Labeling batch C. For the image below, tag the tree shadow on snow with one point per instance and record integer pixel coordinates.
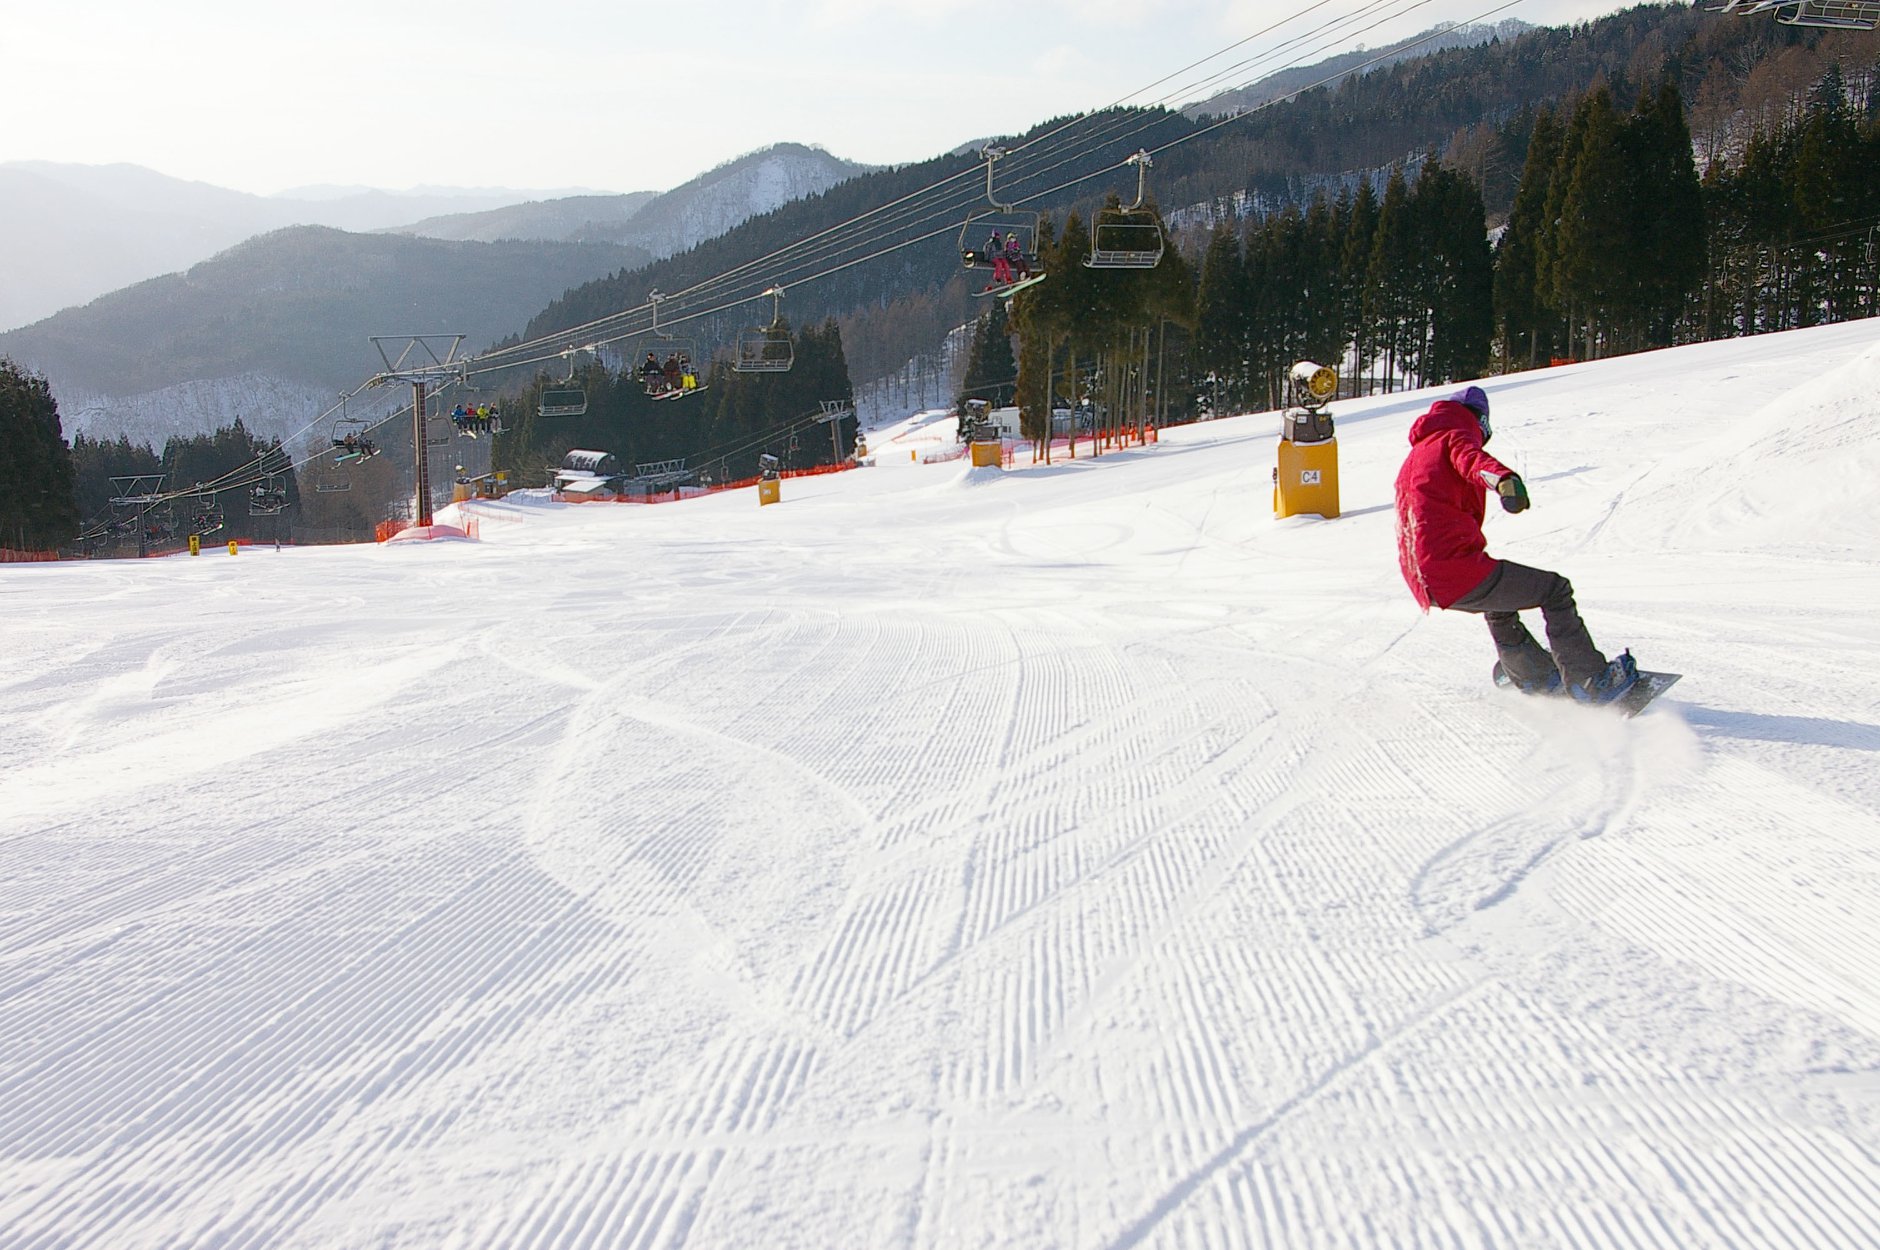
(1809, 730)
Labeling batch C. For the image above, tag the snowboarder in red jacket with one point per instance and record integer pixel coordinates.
(1442, 496)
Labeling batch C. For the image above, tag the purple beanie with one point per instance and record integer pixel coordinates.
(1474, 398)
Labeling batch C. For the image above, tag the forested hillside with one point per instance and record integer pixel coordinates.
(720, 430)
(1473, 107)
(1659, 176)
(1352, 223)
(299, 303)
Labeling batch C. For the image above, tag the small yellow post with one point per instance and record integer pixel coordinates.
(233, 546)
(913, 455)
(195, 544)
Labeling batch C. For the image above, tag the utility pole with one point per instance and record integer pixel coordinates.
(424, 360)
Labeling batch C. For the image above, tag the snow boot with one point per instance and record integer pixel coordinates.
(1529, 668)
(1610, 684)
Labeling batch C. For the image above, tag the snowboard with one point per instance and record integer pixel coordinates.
(1011, 288)
(1647, 688)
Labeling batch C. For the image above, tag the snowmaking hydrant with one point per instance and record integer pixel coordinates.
(769, 480)
(1306, 478)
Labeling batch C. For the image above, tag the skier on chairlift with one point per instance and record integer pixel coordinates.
(1001, 266)
(1017, 267)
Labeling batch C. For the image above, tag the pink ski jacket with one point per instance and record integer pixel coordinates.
(1442, 496)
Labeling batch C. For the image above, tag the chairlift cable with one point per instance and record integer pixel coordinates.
(969, 172)
(1037, 148)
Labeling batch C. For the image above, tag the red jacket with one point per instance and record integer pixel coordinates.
(1442, 495)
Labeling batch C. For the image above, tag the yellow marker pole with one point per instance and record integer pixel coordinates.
(195, 544)
(233, 547)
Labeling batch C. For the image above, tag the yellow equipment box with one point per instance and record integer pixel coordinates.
(1306, 479)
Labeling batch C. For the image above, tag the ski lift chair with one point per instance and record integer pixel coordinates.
(350, 441)
(1825, 14)
(1005, 220)
(664, 347)
(1128, 237)
(565, 401)
(766, 349)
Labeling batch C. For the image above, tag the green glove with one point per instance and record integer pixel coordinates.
(1513, 492)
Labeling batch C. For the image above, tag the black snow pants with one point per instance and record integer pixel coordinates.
(1501, 598)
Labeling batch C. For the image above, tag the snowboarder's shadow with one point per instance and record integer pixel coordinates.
(1810, 730)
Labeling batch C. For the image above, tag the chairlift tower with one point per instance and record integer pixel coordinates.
(424, 361)
(832, 414)
(136, 497)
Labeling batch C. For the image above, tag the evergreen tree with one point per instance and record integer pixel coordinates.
(1390, 281)
(1457, 281)
(38, 511)
(991, 369)
(1593, 256)
(1322, 334)
(1221, 335)
(1833, 192)
(1530, 329)
(1354, 283)
(1665, 241)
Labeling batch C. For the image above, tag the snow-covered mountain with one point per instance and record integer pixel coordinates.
(70, 233)
(661, 225)
(1068, 858)
(1286, 81)
(729, 195)
(164, 356)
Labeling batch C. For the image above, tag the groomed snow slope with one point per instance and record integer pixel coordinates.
(1073, 857)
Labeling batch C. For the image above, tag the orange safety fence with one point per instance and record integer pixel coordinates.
(10, 556)
(1102, 441)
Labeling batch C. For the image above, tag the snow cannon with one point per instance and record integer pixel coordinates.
(769, 483)
(1306, 477)
(1313, 385)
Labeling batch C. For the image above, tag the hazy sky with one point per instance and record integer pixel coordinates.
(611, 95)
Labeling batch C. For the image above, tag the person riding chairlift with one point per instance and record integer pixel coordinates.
(1001, 263)
(1016, 265)
(652, 377)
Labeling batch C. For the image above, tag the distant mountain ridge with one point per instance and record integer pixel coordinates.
(70, 233)
(659, 225)
(284, 313)
(1286, 81)
(281, 319)
(566, 219)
